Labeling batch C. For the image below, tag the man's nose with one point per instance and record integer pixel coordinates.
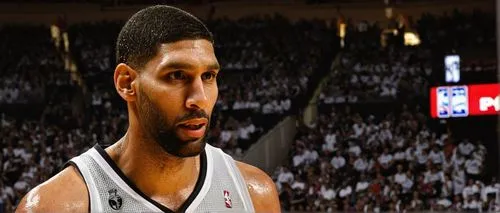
(196, 98)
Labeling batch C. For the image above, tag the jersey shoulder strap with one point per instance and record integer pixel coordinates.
(228, 189)
(108, 192)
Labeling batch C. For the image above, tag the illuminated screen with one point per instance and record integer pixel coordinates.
(452, 68)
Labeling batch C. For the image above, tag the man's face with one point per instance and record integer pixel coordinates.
(177, 91)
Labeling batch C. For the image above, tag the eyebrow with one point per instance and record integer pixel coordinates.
(186, 66)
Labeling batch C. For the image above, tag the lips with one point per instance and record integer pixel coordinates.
(198, 122)
(192, 129)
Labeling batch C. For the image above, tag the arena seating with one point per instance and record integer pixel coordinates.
(29, 64)
(373, 147)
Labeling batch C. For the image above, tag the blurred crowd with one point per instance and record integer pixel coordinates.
(266, 71)
(361, 160)
(370, 71)
(457, 30)
(393, 163)
(27, 65)
(376, 75)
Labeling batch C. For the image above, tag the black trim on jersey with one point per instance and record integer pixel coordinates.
(71, 163)
(199, 183)
(185, 205)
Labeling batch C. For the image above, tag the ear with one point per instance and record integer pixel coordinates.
(124, 78)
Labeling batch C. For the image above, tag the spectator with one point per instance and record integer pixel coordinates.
(473, 168)
(400, 176)
(338, 161)
(466, 148)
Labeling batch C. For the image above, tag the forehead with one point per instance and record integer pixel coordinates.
(199, 52)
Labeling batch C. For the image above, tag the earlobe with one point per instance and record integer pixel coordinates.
(124, 77)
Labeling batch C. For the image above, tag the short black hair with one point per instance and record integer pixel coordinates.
(146, 30)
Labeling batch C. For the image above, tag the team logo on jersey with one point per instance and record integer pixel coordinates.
(227, 199)
(114, 200)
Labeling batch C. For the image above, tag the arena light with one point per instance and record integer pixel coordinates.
(411, 39)
(342, 30)
(342, 33)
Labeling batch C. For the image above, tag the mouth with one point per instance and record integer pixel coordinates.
(192, 129)
(193, 124)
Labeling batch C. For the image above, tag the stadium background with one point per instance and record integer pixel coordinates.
(325, 96)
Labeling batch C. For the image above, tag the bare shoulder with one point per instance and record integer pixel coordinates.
(261, 188)
(65, 192)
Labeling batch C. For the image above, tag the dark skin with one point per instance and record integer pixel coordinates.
(179, 79)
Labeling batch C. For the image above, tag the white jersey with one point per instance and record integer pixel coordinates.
(220, 186)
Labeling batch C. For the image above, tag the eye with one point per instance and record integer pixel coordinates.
(208, 76)
(177, 75)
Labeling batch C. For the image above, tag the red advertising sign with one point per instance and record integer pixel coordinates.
(466, 100)
(484, 99)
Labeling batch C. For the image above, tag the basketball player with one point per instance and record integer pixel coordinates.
(167, 75)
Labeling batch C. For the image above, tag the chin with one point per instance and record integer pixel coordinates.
(188, 149)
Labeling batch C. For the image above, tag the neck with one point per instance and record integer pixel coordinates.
(142, 159)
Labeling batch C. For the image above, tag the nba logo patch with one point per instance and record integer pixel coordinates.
(443, 102)
(227, 199)
(459, 101)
